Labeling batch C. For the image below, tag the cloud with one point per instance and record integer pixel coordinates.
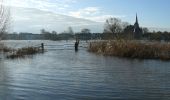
(32, 20)
(102, 18)
(93, 13)
(89, 11)
(64, 7)
(57, 15)
(47, 5)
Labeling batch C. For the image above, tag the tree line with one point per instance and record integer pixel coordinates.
(114, 28)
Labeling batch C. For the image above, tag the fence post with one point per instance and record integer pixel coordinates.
(42, 46)
(76, 44)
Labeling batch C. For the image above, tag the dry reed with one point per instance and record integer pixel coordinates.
(132, 49)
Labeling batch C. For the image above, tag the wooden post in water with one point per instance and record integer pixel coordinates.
(76, 44)
(42, 46)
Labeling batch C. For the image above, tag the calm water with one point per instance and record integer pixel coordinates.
(63, 74)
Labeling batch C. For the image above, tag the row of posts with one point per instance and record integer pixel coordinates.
(76, 45)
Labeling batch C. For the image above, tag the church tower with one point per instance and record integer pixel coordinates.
(137, 30)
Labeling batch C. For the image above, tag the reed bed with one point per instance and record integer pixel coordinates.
(22, 52)
(132, 49)
(5, 49)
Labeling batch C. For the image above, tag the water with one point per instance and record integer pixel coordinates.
(63, 74)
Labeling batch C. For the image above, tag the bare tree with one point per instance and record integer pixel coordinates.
(85, 30)
(4, 18)
(70, 30)
(86, 34)
(43, 31)
(113, 25)
(124, 25)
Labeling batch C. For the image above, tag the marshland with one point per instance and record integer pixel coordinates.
(131, 49)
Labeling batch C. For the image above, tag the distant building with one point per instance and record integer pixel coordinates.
(137, 33)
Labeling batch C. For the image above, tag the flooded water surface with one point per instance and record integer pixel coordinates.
(63, 74)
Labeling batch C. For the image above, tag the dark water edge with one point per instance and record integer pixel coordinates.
(63, 74)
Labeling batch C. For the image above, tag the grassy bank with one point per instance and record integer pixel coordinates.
(132, 49)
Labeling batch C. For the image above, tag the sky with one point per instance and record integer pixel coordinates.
(58, 15)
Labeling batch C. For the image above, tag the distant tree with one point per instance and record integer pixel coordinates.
(128, 31)
(165, 32)
(42, 31)
(54, 36)
(145, 30)
(85, 34)
(85, 30)
(46, 34)
(124, 25)
(4, 18)
(156, 36)
(54, 32)
(70, 30)
(113, 25)
(166, 36)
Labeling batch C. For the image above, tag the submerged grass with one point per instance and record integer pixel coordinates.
(5, 49)
(22, 52)
(132, 49)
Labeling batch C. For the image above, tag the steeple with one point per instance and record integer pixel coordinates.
(136, 18)
(136, 23)
(137, 30)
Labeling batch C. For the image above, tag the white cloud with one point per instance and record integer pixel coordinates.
(48, 5)
(91, 10)
(102, 18)
(93, 13)
(81, 13)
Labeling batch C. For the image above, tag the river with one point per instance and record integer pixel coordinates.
(63, 74)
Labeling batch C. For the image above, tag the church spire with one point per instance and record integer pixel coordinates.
(136, 23)
(136, 18)
(137, 29)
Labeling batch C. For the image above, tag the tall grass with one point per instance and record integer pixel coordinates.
(22, 52)
(3, 48)
(132, 49)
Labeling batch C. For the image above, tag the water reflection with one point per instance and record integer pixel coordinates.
(4, 79)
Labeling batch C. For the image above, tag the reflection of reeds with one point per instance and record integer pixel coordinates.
(132, 49)
(24, 51)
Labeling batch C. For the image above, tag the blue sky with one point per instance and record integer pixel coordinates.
(151, 13)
